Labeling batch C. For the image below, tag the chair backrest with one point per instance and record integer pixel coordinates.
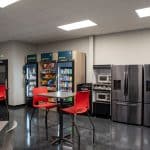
(36, 97)
(82, 99)
(2, 92)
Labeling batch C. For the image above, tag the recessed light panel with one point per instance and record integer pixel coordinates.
(144, 12)
(77, 25)
(5, 3)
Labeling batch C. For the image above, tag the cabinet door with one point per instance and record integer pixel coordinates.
(101, 109)
(147, 114)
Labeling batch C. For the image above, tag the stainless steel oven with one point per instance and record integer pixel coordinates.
(104, 78)
(103, 96)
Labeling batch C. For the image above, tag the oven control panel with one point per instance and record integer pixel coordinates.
(106, 87)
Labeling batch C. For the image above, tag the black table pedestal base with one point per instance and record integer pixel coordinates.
(58, 140)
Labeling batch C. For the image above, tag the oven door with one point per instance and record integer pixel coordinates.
(101, 96)
(102, 78)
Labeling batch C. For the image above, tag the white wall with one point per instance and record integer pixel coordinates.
(80, 44)
(15, 52)
(119, 48)
(123, 48)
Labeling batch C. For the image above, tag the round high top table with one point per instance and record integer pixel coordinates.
(60, 96)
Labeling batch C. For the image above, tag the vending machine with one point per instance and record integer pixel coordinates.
(71, 71)
(48, 75)
(31, 79)
(66, 76)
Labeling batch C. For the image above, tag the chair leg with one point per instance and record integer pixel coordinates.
(77, 130)
(33, 111)
(93, 127)
(46, 125)
(7, 108)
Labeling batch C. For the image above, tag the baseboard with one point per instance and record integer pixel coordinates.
(16, 106)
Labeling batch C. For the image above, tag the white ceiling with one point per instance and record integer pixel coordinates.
(37, 20)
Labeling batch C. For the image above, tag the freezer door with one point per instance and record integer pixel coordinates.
(31, 79)
(65, 76)
(146, 83)
(134, 83)
(118, 82)
(127, 113)
(147, 114)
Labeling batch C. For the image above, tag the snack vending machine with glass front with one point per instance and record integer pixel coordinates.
(48, 75)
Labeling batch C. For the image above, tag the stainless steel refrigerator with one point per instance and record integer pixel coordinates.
(127, 94)
(146, 116)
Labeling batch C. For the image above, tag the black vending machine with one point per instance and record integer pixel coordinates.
(31, 77)
(86, 87)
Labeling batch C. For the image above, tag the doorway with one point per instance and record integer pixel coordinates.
(4, 74)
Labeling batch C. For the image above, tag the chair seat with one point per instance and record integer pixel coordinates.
(46, 105)
(2, 97)
(74, 110)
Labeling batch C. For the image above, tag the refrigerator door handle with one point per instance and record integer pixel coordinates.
(124, 83)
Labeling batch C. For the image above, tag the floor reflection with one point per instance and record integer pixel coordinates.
(109, 135)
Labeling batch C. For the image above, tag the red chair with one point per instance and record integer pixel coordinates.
(3, 97)
(81, 106)
(40, 102)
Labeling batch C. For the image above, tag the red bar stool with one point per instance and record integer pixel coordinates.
(40, 102)
(3, 97)
(81, 106)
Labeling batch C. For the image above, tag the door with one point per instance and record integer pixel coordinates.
(134, 83)
(146, 95)
(147, 114)
(4, 115)
(31, 78)
(65, 76)
(66, 79)
(118, 82)
(4, 73)
(127, 112)
(146, 83)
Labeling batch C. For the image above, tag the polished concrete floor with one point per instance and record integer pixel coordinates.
(109, 135)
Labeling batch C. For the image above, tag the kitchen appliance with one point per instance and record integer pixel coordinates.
(103, 96)
(31, 80)
(127, 94)
(106, 87)
(146, 115)
(104, 78)
(102, 91)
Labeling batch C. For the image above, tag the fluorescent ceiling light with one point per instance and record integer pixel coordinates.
(144, 12)
(5, 3)
(77, 25)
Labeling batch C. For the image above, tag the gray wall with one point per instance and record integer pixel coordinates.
(15, 52)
